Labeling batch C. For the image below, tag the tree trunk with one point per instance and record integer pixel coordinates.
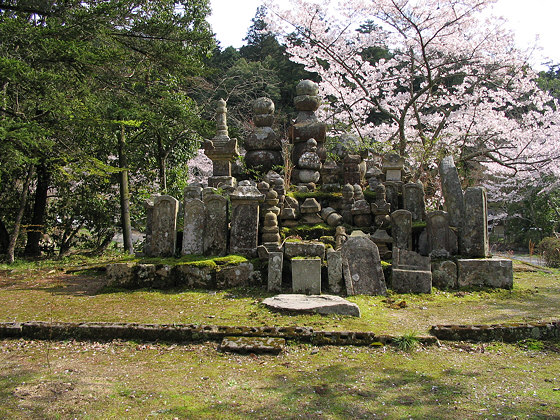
(4, 238)
(162, 158)
(105, 243)
(36, 229)
(17, 224)
(66, 243)
(124, 196)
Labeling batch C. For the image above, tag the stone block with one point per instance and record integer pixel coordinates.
(304, 249)
(306, 276)
(272, 345)
(275, 265)
(121, 274)
(323, 304)
(444, 275)
(485, 272)
(411, 281)
(235, 276)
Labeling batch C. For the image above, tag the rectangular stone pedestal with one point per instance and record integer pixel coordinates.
(485, 272)
(411, 281)
(306, 276)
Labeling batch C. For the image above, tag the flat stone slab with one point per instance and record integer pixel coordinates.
(253, 344)
(320, 304)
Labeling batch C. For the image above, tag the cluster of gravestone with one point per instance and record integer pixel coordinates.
(373, 211)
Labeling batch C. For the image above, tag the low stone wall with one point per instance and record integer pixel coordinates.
(198, 276)
(185, 333)
(500, 332)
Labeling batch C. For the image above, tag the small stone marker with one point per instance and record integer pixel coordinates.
(362, 270)
(275, 263)
(452, 192)
(334, 262)
(306, 275)
(245, 219)
(164, 226)
(411, 272)
(491, 272)
(402, 229)
(320, 304)
(256, 345)
(413, 200)
(474, 238)
(215, 236)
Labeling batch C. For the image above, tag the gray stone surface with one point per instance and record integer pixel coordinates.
(256, 345)
(304, 249)
(362, 267)
(413, 200)
(392, 192)
(306, 276)
(323, 304)
(410, 260)
(216, 233)
(244, 233)
(239, 275)
(194, 228)
(401, 229)
(411, 281)
(334, 265)
(164, 226)
(496, 273)
(474, 232)
(441, 239)
(444, 275)
(451, 189)
(149, 206)
(275, 265)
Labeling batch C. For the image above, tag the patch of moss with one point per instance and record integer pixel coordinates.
(305, 258)
(307, 232)
(419, 225)
(319, 195)
(385, 264)
(195, 261)
(369, 195)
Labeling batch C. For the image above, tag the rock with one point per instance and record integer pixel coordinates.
(323, 304)
(474, 231)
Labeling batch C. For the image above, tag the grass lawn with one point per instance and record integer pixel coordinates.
(40, 379)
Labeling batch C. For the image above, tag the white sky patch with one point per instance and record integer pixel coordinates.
(535, 23)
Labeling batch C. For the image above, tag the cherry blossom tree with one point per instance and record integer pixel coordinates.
(450, 81)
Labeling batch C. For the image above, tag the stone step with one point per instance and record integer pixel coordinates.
(256, 345)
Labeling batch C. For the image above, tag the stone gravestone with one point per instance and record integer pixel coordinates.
(451, 189)
(392, 192)
(474, 239)
(362, 270)
(244, 234)
(275, 266)
(334, 263)
(413, 200)
(411, 272)
(216, 233)
(164, 226)
(442, 241)
(306, 275)
(194, 228)
(401, 229)
(149, 206)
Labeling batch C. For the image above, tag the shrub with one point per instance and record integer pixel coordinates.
(550, 250)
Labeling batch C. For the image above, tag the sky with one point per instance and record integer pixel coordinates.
(533, 21)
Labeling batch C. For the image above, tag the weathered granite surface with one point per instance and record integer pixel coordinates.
(489, 272)
(322, 304)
